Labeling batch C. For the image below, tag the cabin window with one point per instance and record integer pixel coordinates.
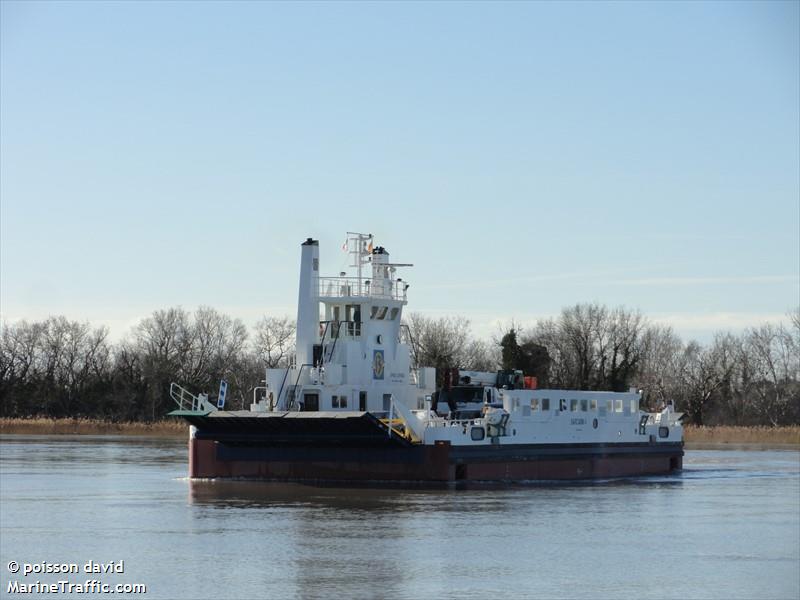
(618, 406)
(477, 434)
(663, 432)
(584, 405)
(342, 401)
(593, 404)
(562, 405)
(534, 404)
(335, 401)
(352, 314)
(393, 314)
(573, 405)
(634, 406)
(545, 403)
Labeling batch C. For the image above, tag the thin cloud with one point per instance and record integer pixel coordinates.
(487, 283)
(690, 281)
(719, 321)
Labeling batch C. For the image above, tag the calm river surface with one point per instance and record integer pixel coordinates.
(727, 527)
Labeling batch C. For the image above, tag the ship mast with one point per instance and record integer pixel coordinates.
(359, 246)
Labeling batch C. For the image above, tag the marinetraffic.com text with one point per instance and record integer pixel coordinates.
(90, 585)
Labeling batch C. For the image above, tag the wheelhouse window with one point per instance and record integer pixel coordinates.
(618, 406)
(562, 405)
(593, 404)
(534, 404)
(584, 404)
(352, 314)
(573, 405)
(394, 313)
(634, 405)
(545, 403)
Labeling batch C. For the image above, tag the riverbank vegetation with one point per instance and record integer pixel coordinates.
(722, 435)
(48, 426)
(58, 368)
(728, 435)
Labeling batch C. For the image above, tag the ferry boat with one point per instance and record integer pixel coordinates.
(352, 407)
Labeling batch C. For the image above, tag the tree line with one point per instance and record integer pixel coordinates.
(63, 368)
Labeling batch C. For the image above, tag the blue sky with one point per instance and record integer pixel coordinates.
(525, 156)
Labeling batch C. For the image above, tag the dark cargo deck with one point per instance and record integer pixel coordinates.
(292, 429)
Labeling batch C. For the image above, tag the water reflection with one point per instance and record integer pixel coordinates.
(227, 493)
(725, 525)
(223, 493)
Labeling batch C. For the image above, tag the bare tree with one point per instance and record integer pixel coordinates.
(445, 343)
(591, 347)
(775, 361)
(274, 341)
(660, 367)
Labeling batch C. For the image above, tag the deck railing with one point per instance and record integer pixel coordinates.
(188, 401)
(343, 287)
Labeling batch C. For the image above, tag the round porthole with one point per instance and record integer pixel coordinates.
(380, 339)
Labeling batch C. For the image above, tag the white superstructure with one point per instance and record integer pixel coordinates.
(353, 355)
(352, 350)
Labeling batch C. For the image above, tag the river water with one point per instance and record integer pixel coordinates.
(728, 526)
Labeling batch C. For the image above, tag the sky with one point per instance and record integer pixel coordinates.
(524, 156)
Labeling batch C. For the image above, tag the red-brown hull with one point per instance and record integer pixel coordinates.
(437, 463)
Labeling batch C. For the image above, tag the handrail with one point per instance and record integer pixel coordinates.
(322, 340)
(255, 389)
(445, 422)
(183, 397)
(299, 372)
(407, 329)
(412, 430)
(343, 287)
(336, 339)
(188, 401)
(280, 391)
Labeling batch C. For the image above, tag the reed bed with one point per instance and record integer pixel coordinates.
(726, 434)
(47, 426)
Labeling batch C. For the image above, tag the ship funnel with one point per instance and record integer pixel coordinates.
(381, 272)
(308, 302)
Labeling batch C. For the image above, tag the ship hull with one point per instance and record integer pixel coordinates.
(362, 451)
(442, 463)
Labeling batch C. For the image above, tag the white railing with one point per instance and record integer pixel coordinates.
(432, 422)
(342, 287)
(188, 401)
